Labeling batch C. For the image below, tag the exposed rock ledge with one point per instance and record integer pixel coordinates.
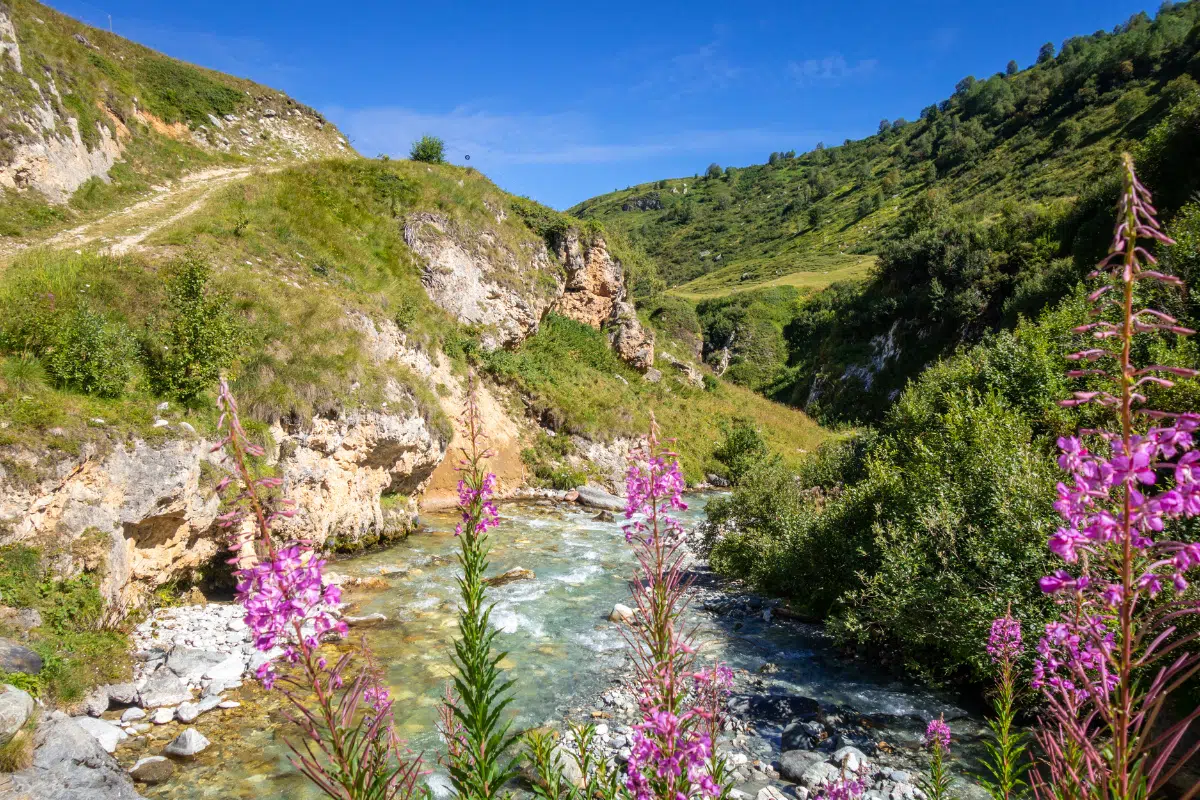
(481, 281)
(144, 514)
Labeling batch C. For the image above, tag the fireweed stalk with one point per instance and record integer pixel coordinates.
(673, 749)
(937, 739)
(350, 749)
(476, 737)
(1107, 666)
(1005, 762)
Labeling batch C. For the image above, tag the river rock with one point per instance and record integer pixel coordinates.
(188, 743)
(604, 516)
(96, 703)
(716, 480)
(366, 621)
(69, 764)
(15, 708)
(107, 734)
(598, 498)
(770, 793)
(819, 775)
(153, 769)
(794, 763)
(229, 669)
(163, 715)
(622, 613)
(15, 658)
(849, 757)
(190, 664)
(512, 576)
(132, 715)
(164, 688)
(125, 694)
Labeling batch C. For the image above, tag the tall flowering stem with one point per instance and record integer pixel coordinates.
(478, 764)
(937, 738)
(673, 750)
(1107, 666)
(349, 749)
(1006, 763)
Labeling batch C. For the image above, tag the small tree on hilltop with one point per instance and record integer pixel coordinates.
(430, 149)
(713, 171)
(1045, 53)
(1013, 68)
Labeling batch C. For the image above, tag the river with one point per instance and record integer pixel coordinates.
(561, 650)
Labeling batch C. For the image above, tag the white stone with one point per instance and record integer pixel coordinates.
(770, 793)
(602, 729)
(107, 734)
(188, 743)
(229, 704)
(132, 714)
(228, 670)
(162, 716)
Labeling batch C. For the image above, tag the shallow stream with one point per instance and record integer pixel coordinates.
(561, 649)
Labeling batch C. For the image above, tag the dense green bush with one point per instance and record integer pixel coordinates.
(429, 149)
(918, 534)
(742, 447)
(198, 340)
(92, 355)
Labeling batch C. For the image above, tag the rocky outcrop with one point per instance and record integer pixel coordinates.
(480, 280)
(45, 148)
(143, 514)
(596, 294)
(70, 764)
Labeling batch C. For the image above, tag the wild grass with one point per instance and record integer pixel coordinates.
(77, 651)
(572, 377)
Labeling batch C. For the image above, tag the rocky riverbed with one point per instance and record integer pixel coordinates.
(193, 724)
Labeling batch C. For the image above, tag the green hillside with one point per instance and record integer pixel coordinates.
(933, 231)
(86, 92)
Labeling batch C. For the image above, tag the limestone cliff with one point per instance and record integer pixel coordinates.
(595, 294)
(144, 514)
(482, 281)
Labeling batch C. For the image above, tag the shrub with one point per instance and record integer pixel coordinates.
(429, 149)
(92, 355)
(199, 339)
(742, 448)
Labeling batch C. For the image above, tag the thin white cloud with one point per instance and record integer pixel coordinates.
(831, 69)
(495, 139)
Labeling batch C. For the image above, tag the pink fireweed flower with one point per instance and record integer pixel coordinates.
(937, 734)
(468, 495)
(1004, 643)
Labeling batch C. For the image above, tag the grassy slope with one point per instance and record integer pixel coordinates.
(295, 251)
(102, 85)
(1029, 141)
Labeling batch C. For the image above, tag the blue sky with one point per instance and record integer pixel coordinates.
(562, 101)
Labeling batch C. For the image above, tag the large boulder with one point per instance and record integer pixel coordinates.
(164, 688)
(793, 764)
(152, 769)
(15, 708)
(598, 498)
(69, 764)
(17, 658)
(191, 664)
(511, 576)
(106, 733)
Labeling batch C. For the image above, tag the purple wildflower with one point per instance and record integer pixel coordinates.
(1004, 643)
(937, 734)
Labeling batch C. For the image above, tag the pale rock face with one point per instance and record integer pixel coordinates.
(341, 467)
(142, 514)
(596, 295)
(479, 280)
(633, 342)
(595, 281)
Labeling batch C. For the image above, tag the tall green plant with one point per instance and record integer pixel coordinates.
(199, 340)
(478, 738)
